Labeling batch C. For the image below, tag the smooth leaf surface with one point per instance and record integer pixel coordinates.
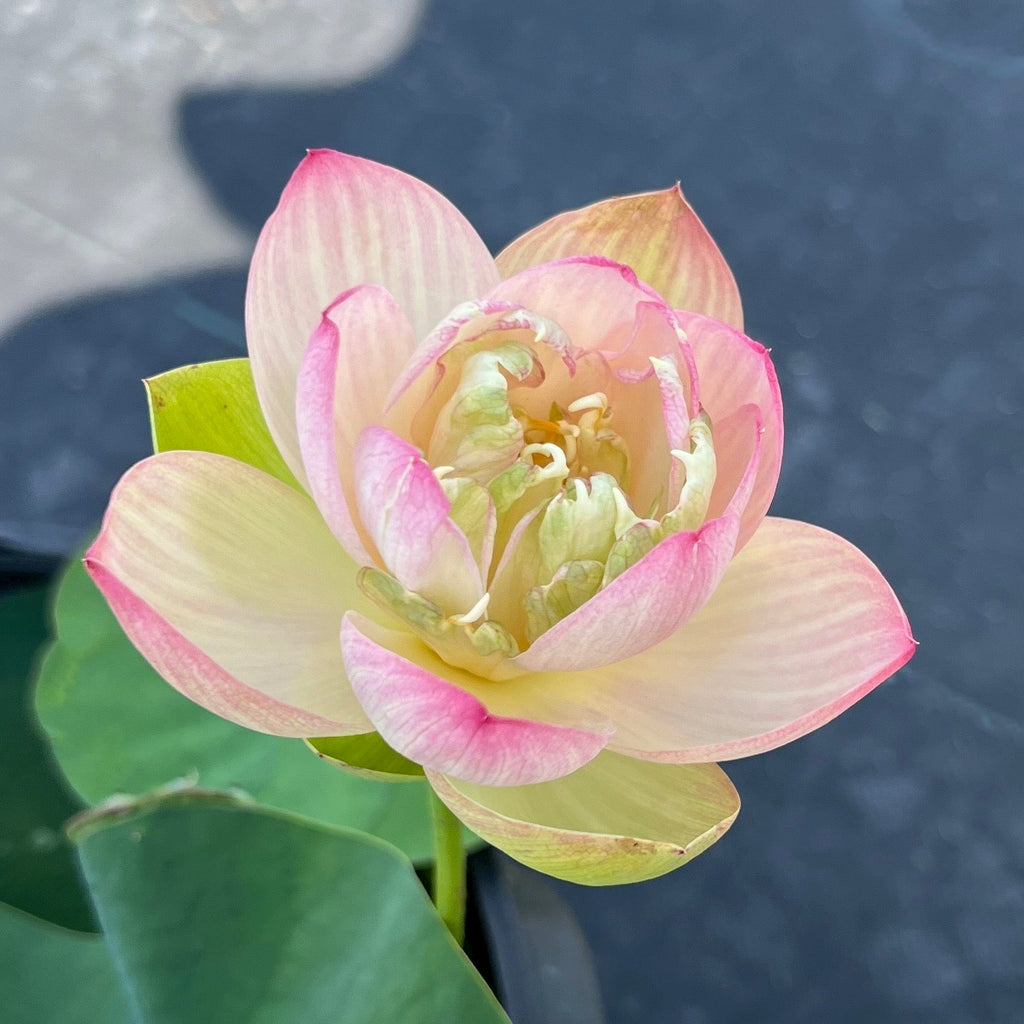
(117, 727)
(212, 407)
(51, 975)
(217, 910)
(37, 869)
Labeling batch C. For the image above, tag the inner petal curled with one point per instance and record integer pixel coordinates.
(552, 463)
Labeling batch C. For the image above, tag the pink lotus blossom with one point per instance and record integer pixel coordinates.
(514, 525)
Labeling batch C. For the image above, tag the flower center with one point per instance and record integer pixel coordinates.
(543, 502)
(583, 432)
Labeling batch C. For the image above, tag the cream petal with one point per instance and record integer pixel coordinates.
(801, 626)
(613, 821)
(229, 582)
(516, 573)
(655, 233)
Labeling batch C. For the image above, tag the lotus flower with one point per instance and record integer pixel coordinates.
(511, 526)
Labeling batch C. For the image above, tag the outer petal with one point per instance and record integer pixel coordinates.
(342, 388)
(735, 371)
(656, 233)
(437, 724)
(802, 626)
(405, 511)
(343, 221)
(229, 583)
(615, 820)
(640, 608)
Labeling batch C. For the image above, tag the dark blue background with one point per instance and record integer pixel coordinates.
(860, 164)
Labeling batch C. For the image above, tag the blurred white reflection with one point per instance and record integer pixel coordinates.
(94, 191)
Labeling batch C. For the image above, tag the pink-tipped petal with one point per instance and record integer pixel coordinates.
(656, 332)
(198, 676)
(593, 299)
(741, 439)
(735, 371)
(228, 581)
(640, 608)
(406, 513)
(656, 348)
(436, 723)
(342, 387)
(466, 322)
(613, 821)
(344, 221)
(656, 233)
(801, 626)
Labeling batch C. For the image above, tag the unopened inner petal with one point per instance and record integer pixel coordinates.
(563, 469)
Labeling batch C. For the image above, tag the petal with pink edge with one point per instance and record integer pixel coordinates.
(343, 221)
(639, 608)
(342, 388)
(802, 626)
(230, 584)
(616, 820)
(735, 371)
(593, 299)
(655, 233)
(740, 440)
(425, 383)
(438, 724)
(406, 513)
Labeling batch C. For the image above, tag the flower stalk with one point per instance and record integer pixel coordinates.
(449, 877)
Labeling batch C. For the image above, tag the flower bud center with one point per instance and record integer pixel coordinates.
(544, 500)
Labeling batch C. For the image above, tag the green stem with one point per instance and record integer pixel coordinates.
(449, 868)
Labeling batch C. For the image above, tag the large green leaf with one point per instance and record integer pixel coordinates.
(215, 911)
(117, 727)
(212, 407)
(51, 975)
(37, 868)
